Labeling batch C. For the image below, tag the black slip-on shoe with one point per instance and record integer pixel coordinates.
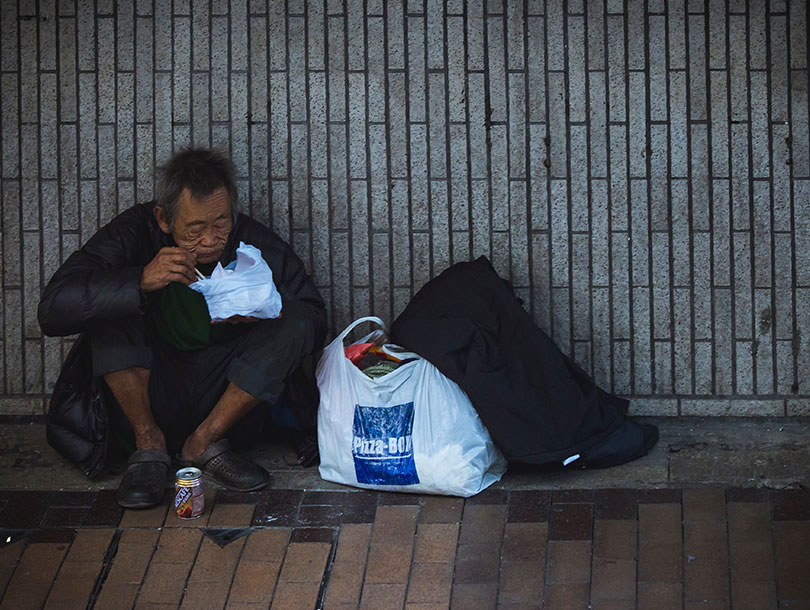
(225, 466)
(144, 480)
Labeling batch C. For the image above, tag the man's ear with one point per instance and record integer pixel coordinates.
(160, 216)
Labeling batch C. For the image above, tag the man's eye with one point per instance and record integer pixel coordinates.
(194, 232)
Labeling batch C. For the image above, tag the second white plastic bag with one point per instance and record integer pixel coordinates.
(411, 430)
(243, 288)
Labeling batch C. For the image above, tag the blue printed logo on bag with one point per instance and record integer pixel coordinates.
(382, 445)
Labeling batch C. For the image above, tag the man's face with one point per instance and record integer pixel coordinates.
(202, 225)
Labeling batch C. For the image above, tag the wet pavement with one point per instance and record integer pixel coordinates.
(717, 516)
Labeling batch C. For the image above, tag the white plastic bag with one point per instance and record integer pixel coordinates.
(243, 288)
(412, 429)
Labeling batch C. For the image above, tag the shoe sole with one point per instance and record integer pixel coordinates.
(232, 488)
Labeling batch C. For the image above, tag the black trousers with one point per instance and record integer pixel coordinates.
(184, 386)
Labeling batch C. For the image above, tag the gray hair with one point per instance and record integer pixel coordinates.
(200, 170)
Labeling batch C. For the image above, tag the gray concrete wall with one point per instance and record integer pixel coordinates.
(639, 170)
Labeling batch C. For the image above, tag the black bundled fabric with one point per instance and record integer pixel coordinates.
(539, 406)
(76, 424)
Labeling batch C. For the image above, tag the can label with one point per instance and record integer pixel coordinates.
(189, 501)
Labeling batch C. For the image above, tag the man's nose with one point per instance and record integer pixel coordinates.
(209, 237)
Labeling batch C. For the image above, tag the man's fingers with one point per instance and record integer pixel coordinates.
(178, 276)
(179, 271)
(187, 274)
(171, 252)
(184, 264)
(179, 255)
(179, 264)
(170, 264)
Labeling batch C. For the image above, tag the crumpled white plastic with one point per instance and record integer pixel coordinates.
(242, 288)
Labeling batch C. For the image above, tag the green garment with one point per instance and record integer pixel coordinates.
(180, 317)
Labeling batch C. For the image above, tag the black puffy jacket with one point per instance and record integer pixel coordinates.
(101, 281)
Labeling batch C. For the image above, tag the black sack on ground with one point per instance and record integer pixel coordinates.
(538, 405)
(76, 422)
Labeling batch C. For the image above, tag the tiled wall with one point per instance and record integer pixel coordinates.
(638, 169)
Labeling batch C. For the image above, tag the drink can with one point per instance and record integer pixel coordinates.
(189, 501)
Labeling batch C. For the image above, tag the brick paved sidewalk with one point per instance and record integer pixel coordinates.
(613, 549)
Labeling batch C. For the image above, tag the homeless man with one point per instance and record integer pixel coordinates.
(184, 385)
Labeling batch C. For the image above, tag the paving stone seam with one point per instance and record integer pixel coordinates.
(728, 544)
(413, 550)
(637, 551)
(690, 121)
(500, 554)
(148, 566)
(625, 126)
(775, 571)
(455, 562)
(106, 566)
(281, 562)
(455, 553)
(191, 566)
(235, 567)
(593, 537)
(684, 555)
(328, 570)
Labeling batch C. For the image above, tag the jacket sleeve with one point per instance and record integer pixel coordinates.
(297, 283)
(101, 281)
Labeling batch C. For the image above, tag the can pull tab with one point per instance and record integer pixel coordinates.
(573, 458)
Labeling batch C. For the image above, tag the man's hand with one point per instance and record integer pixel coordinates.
(169, 265)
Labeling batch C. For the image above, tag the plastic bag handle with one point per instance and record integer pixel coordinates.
(359, 321)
